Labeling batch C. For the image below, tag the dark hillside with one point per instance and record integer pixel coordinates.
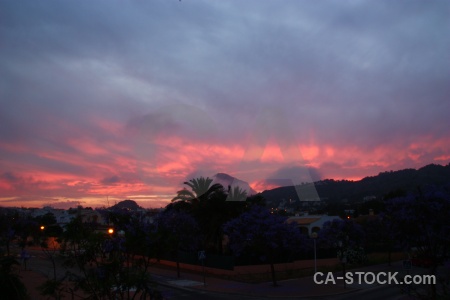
(407, 180)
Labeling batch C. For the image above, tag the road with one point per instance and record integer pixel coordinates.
(170, 293)
(173, 290)
(385, 292)
(40, 263)
(382, 292)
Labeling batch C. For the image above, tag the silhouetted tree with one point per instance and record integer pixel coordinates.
(201, 188)
(109, 266)
(8, 218)
(346, 236)
(179, 232)
(259, 231)
(11, 287)
(236, 194)
(422, 221)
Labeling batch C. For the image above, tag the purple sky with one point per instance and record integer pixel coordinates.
(120, 99)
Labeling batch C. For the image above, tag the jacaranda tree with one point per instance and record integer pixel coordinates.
(178, 231)
(422, 222)
(263, 233)
(346, 236)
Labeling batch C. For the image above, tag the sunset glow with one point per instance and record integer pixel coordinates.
(132, 103)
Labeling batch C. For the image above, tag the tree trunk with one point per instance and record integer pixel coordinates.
(219, 244)
(178, 264)
(389, 256)
(272, 270)
(54, 267)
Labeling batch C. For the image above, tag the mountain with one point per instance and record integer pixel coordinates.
(126, 205)
(229, 181)
(407, 180)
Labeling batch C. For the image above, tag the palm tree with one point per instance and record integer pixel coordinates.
(236, 194)
(202, 188)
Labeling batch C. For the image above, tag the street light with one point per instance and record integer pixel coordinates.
(42, 227)
(110, 230)
(314, 237)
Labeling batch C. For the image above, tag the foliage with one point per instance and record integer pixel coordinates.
(211, 206)
(236, 194)
(25, 227)
(422, 221)
(51, 228)
(11, 287)
(7, 232)
(46, 219)
(263, 233)
(180, 229)
(119, 217)
(109, 266)
(352, 254)
(211, 214)
(52, 288)
(339, 230)
(201, 188)
(346, 236)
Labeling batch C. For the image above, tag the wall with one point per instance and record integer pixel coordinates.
(255, 269)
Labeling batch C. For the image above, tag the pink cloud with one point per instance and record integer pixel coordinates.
(91, 169)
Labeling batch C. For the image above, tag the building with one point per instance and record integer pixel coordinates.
(311, 223)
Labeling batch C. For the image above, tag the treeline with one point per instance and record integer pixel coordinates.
(212, 219)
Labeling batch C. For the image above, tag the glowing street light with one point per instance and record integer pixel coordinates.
(42, 227)
(110, 230)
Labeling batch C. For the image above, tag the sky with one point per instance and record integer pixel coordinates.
(109, 100)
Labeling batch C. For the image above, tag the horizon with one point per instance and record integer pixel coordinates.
(116, 201)
(129, 100)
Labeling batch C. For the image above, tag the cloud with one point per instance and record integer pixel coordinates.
(10, 177)
(133, 97)
(110, 180)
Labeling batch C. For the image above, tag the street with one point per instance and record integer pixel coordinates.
(192, 287)
(385, 292)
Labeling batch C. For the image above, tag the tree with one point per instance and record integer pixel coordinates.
(7, 233)
(25, 227)
(259, 231)
(346, 236)
(236, 194)
(179, 232)
(206, 203)
(53, 287)
(201, 189)
(11, 287)
(212, 214)
(50, 226)
(422, 221)
(380, 234)
(110, 265)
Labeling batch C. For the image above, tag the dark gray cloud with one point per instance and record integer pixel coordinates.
(111, 180)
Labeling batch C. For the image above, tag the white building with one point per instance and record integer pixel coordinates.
(311, 223)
